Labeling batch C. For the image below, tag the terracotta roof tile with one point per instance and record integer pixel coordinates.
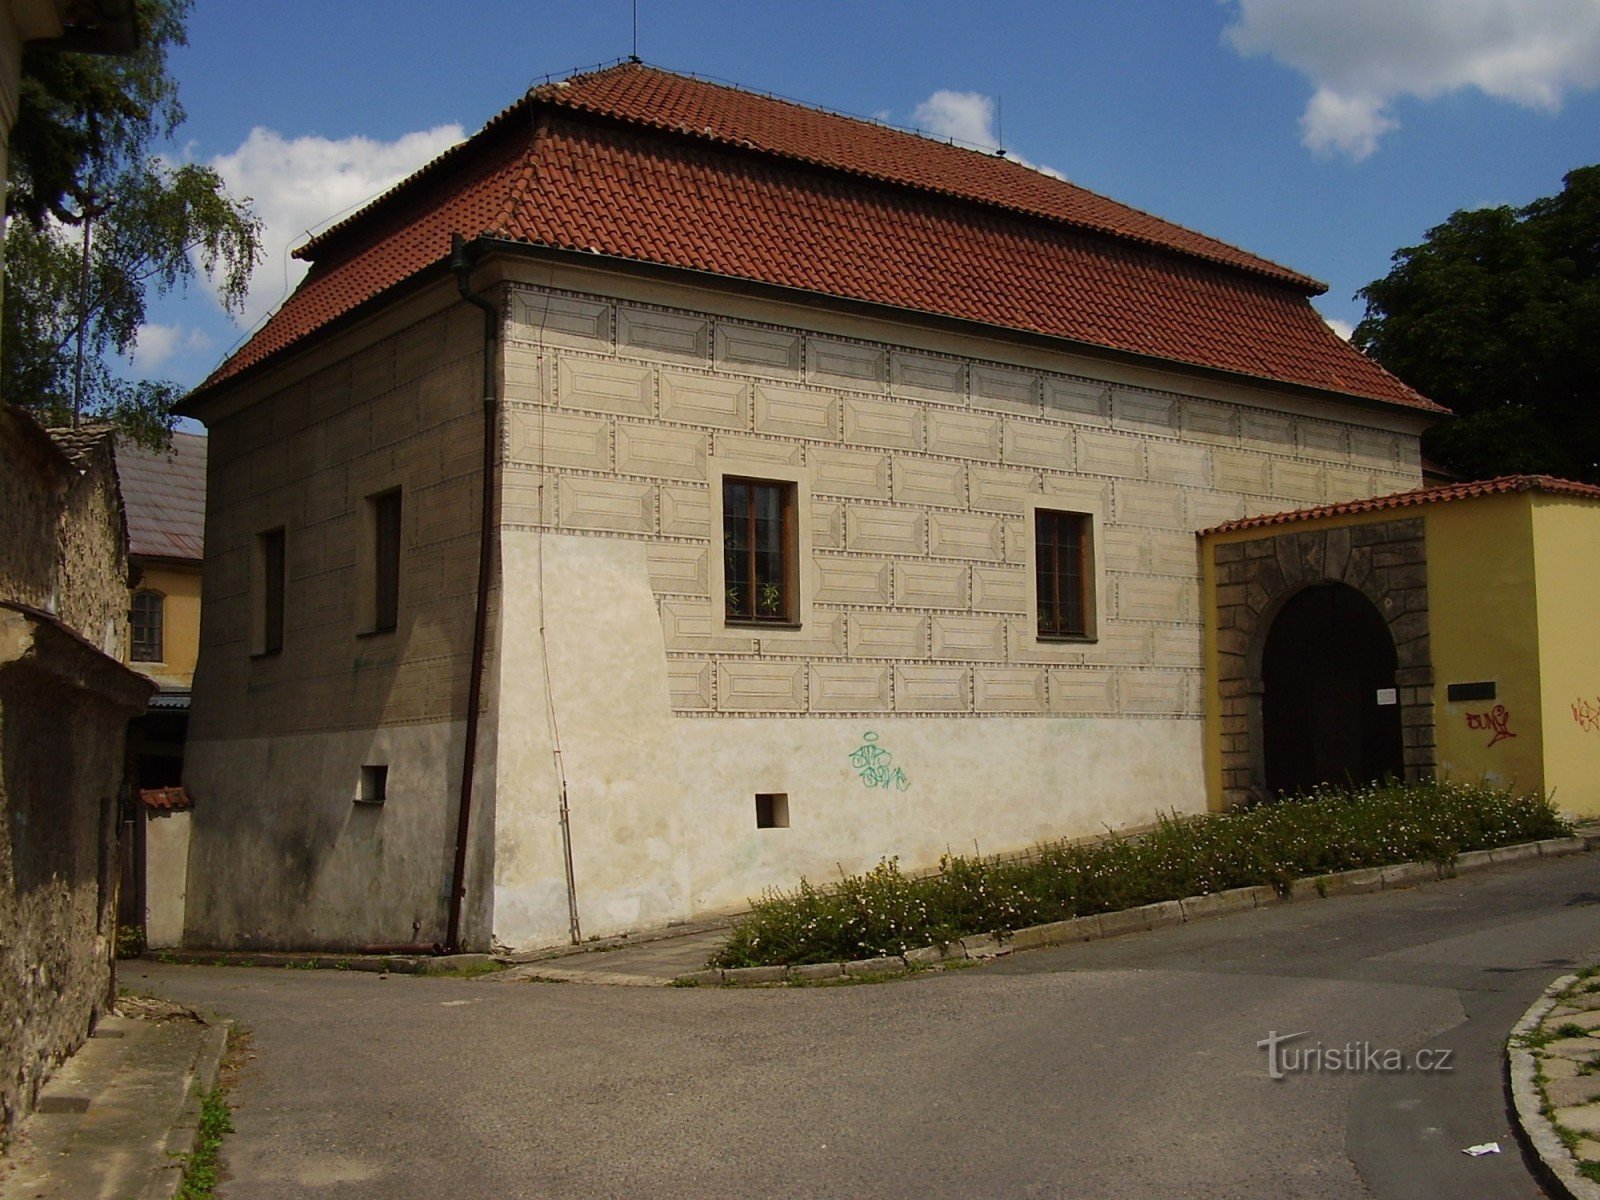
(771, 191)
(1502, 485)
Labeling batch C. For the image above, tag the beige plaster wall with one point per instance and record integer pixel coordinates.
(918, 472)
(180, 615)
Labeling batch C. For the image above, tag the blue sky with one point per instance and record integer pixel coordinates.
(1321, 135)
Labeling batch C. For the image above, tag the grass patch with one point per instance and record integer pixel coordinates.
(1332, 829)
(202, 1170)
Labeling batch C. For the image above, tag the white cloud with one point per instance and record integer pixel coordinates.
(969, 118)
(1362, 55)
(305, 183)
(157, 344)
(1343, 328)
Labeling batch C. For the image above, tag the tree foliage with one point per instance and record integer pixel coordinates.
(1496, 315)
(83, 142)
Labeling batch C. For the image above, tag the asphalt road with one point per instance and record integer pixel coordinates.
(1127, 1068)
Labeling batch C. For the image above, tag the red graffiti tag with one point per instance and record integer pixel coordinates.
(1497, 720)
(1587, 715)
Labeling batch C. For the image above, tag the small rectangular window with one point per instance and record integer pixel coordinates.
(144, 626)
(270, 559)
(374, 787)
(758, 550)
(385, 513)
(772, 810)
(1064, 567)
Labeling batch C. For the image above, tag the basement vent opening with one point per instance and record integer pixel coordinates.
(374, 785)
(1481, 690)
(772, 810)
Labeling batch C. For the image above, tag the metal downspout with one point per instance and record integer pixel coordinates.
(461, 264)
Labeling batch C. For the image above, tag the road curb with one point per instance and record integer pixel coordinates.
(184, 1138)
(1550, 1156)
(1162, 914)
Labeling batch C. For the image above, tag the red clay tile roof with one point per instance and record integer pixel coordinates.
(164, 496)
(641, 164)
(1502, 485)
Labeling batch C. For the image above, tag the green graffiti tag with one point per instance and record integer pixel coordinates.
(876, 765)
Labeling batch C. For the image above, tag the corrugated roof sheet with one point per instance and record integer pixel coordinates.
(164, 496)
(641, 164)
(1502, 485)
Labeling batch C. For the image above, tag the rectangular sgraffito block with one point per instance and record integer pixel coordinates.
(704, 400)
(672, 334)
(1207, 510)
(959, 535)
(860, 473)
(1374, 450)
(736, 447)
(790, 412)
(1158, 505)
(772, 351)
(1082, 690)
(561, 320)
(605, 386)
(689, 684)
(678, 568)
(999, 589)
(842, 580)
(887, 635)
(620, 505)
(996, 489)
(1179, 646)
(1153, 692)
(827, 524)
(1297, 481)
(928, 378)
(1152, 598)
(1038, 444)
(1321, 440)
(560, 439)
(1003, 390)
(847, 363)
(1081, 401)
(932, 689)
(1201, 421)
(928, 481)
(1109, 454)
(686, 511)
(891, 424)
(1173, 462)
(1142, 412)
(660, 453)
(964, 435)
(930, 585)
(1008, 689)
(884, 530)
(760, 687)
(848, 687)
(1176, 553)
(1266, 432)
(1345, 484)
(1239, 471)
(979, 639)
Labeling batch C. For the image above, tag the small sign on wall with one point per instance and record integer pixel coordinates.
(1388, 697)
(1458, 692)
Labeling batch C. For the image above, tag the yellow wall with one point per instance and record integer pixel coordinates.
(1482, 627)
(1566, 540)
(180, 622)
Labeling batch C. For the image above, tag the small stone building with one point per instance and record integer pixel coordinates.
(65, 701)
(671, 492)
(1446, 632)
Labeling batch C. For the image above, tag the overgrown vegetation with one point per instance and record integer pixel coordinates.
(1332, 829)
(202, 1172)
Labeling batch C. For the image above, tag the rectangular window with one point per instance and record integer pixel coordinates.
(385, 513)
(144, 625)
(270, 548)
(374, 785)
(1064, 565)
(758, 550)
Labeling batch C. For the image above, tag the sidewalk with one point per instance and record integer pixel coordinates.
(654, 963)
(119, 1118)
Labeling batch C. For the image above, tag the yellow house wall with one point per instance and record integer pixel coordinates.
(1566, 546)
(180, 629)
(1483, 627)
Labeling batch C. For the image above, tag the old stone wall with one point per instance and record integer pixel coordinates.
(93, 555)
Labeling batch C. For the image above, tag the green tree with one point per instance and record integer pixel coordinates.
(1496, 315)
(82, 164)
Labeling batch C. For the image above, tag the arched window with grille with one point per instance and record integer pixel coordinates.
(145, 626)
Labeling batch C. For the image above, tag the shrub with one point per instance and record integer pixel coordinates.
(1331, 829)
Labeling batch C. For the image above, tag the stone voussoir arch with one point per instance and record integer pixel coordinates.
(1385, 561)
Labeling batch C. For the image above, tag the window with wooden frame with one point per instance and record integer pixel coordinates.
(759, 546)
(145, 619)
(1063, 544)
(270, 562)
(385, 511)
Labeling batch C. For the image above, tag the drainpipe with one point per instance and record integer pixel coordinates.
(461, 264)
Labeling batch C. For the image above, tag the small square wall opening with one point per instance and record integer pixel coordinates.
(374, 784)
(772, 810)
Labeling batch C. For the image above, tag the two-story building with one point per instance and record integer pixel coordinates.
(671, 492)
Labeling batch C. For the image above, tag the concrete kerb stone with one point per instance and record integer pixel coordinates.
(1216, 904)
(984, 945)
(185, 1135)
(1507, 854)
(748, 976)
(867, 967)
(809, 972)
(1561, 847)
(1557, 1164)
(1401, 875)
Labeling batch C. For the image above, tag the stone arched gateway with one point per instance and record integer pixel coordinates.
(1386, 562)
